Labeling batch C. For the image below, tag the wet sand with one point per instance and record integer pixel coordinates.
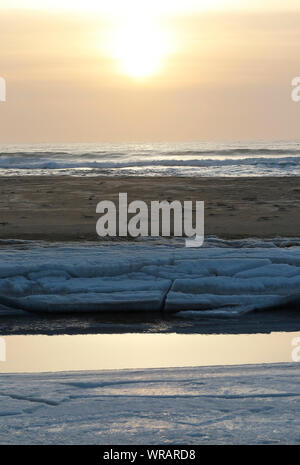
(64, 208)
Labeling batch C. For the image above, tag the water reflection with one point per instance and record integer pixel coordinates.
(117, 351)
(252, 323)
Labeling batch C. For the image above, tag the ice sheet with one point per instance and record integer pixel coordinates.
(256, 404)
(150, 277)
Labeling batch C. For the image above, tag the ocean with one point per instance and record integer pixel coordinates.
(155, 159)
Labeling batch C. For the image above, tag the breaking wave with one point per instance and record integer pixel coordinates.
(201, 159)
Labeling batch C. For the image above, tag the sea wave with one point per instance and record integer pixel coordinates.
(198, 159)
(50, 163)
(252, 152)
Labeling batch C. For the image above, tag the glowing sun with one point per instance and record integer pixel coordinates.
(139, 48)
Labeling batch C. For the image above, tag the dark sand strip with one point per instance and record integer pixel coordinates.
(64, 208)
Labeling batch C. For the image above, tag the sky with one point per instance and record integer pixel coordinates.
(127, 71)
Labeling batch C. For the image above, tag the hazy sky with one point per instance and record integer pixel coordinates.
(149, 71)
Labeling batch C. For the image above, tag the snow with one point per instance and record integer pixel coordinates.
(231, 276)
(254, 404)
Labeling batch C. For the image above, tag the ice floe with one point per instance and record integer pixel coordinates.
(151, 276)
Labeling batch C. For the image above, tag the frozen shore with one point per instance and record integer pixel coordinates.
(221, 278)
(256, 404)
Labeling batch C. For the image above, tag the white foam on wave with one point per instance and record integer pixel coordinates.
(181, 159)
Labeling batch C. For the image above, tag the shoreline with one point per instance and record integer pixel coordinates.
(106, 323)
(63, 208)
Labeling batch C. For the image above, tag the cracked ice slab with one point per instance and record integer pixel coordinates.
(147, 277)
(150, 300)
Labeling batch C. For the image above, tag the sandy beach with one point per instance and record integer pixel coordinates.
(64, 208)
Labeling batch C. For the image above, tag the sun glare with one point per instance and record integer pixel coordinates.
(139, 48)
